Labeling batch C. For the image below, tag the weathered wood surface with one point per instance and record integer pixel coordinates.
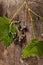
(12, 55)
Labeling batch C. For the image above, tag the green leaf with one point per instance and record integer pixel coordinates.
(4, 29)
(34, 48)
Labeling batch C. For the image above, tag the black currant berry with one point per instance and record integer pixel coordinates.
(19, 27)
(20, 42)
(16, 41)
(23, 38)
(19, 22)
(25, 28)
(22, 31)
(15, 35)
(10, 34)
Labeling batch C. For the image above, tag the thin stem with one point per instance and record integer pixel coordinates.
(10, 26)
(18, 10)
(31, 19)
(29, 9)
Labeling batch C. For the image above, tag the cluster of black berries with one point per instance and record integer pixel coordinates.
(19, 40)
(15, 37)
(24, 29)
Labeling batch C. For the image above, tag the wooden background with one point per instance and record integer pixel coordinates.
(12, 55)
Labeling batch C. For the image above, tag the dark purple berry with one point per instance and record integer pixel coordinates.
(19, 22)
(19, 27)
(22, 31)
(23, 37)
(10, 34)
(25, 28)
(20, 41)
(16, 41)
(15, 35)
